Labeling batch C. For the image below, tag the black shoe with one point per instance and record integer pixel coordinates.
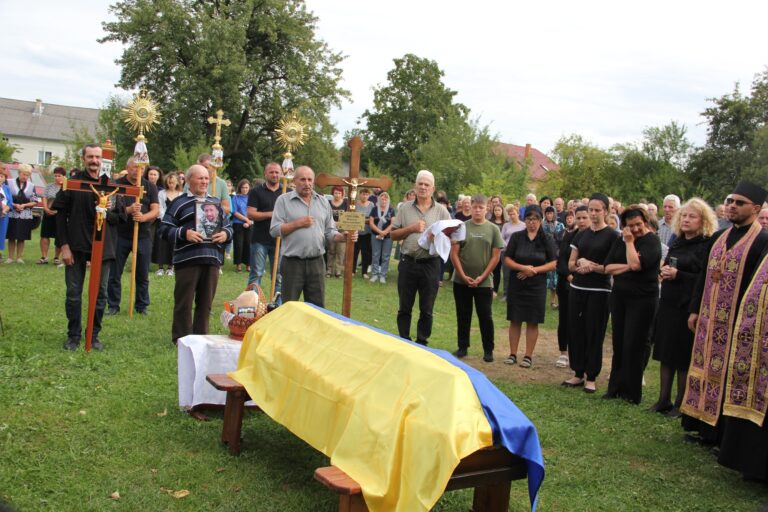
(112, 311)
(97, 345)
(73, 343)
(610, 396)
(142, 312)
(461, 353)
(488, 357)
(422, 342)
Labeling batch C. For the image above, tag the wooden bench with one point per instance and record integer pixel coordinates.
(489, 471)
(233, 409)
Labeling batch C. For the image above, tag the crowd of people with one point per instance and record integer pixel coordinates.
(686, 288)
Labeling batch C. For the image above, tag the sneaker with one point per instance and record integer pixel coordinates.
(382, 280)
(73, 342)
(169, 272)
(221, 272)
(160, 272)
(488, 357)
(562, 361)
(461, 353)
(9, 261)
(365, 276)
(112, 311)
(20, 261)
(97, 345)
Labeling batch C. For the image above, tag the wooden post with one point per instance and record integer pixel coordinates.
(352, 182)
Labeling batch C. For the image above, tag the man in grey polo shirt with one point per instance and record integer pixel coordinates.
(418, 271)
(304, 221)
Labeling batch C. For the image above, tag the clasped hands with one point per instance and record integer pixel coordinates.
(196, 238)
(526, 272)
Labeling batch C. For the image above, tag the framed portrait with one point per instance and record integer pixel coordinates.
(208, 219)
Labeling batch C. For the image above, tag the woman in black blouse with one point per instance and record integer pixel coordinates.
(634, 264)
(692, 225)
(530, 254)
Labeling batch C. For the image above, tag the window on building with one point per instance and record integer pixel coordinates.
(44, 157)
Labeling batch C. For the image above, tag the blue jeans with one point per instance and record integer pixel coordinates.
(382, 249)
(124, 248)
(74, 276)
(259, 253)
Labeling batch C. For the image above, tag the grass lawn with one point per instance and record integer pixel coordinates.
(76, 427)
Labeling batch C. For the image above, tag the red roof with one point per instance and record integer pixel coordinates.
(541, 164)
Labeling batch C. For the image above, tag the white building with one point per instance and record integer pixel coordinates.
(39, 131)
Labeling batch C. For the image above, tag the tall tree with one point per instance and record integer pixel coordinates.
(584, 168)
(406, 111)
(255, 59)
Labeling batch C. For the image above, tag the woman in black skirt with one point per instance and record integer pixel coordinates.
(48, 224)
(692, 226)
(530, 254)
(634, 263)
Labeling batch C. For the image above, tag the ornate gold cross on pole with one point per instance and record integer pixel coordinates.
(352, 220)
(217, 153)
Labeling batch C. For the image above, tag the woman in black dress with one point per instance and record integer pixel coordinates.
(530, 254)
(692, 226)
(634, 264)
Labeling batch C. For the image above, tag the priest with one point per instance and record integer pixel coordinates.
(733, 257)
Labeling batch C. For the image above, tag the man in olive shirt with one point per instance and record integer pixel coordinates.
(418, 270)
(304, 220)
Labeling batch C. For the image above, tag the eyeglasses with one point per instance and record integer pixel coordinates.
(532, 219)
(737, 202)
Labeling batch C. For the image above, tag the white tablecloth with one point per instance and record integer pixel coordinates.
(200, 355)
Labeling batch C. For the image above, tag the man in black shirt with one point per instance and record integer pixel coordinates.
(144, 212)
(74, 230)
(261, 202)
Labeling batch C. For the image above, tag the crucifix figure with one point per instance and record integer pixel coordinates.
(88, 207)
(351, 220)
(217, 155)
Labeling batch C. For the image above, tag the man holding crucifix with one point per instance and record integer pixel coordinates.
(74, 230)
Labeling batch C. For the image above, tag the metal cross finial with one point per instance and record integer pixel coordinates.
(218, 121)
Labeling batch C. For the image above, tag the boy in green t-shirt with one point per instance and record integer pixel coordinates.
(474, 260)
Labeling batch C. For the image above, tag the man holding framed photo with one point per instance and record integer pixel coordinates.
(196, 224)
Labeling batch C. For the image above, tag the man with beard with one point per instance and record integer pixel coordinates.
(734, 254)
(261, 202)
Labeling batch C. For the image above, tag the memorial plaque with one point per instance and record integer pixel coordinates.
(351, 221)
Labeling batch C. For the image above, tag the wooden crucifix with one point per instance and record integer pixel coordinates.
(103, 189)
(355, 221)
(217, 156)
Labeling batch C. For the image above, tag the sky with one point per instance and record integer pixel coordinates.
(533, 72)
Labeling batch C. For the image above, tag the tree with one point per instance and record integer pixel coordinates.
(584, 168)
(255, 59)
(461, 153)
(6, 149)
(406, 112)
(735, 141)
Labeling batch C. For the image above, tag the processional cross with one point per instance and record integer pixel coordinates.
(217, 155)
(104, 189)
(351, 220)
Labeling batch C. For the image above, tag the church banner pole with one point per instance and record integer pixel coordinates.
(140, 114)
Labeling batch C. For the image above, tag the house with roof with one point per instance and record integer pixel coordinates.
(39, 131)
(540, 164)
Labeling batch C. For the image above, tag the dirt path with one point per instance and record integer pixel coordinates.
(544, 357)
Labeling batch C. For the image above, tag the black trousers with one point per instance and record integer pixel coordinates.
(497, 276)
(363, 245)
(563, 294)
(631, 320)
(195, 284)
(420, 277)
(483, 299)
(241, 254)
(305, 276)
(587, 321)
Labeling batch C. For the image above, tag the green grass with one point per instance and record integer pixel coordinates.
(75, 427)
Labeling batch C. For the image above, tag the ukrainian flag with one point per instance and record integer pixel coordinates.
(395, 416)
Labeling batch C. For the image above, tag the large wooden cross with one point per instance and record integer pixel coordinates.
(103, 188)
(352, 182)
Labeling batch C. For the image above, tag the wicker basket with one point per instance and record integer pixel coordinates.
(240, 324)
